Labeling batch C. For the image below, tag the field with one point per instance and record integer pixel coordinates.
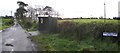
(91, 20)
(80, 35)
(5, 23)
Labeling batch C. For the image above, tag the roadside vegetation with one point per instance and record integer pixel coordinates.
(91, 20)
(29, 26)
(0, 24)
(53, 42)
(6, 22)
(80, 35)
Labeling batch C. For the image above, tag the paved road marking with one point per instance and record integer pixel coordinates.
(12, 50)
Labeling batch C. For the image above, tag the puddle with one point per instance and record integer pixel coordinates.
(9, 45)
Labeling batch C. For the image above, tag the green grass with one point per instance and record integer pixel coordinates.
(5, 23)
(90, 20)
(52, 42)
(29, 26)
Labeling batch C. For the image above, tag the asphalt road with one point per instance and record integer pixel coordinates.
(15, 39)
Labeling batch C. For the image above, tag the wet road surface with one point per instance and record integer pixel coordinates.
(15, 39)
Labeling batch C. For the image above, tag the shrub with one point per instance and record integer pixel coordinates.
(81, 30)
(67, 28)
(28, 25)
(7, 22)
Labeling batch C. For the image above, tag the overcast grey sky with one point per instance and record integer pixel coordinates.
(67, 8)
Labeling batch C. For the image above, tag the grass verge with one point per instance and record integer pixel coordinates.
(5, 23)
(53, 42)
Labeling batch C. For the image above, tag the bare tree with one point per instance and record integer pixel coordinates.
(30, 13)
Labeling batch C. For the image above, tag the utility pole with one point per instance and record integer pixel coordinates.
(104, 9)
(11, 13)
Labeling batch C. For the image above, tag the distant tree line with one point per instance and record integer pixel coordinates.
(116, 18)
(6, 17)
